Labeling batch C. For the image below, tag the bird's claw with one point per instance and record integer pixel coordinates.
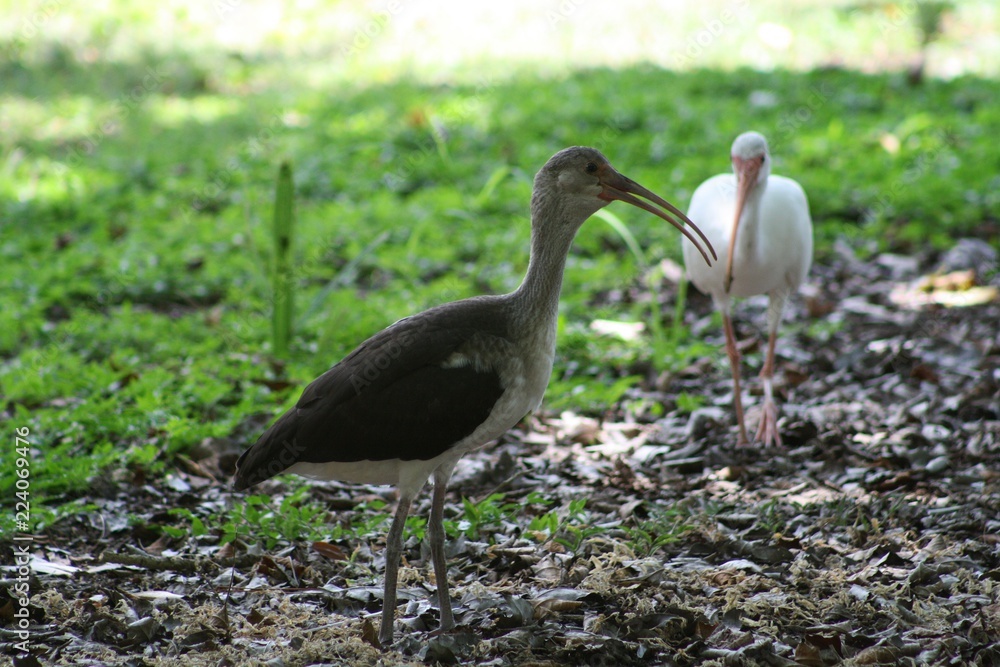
(440, 632)
(767, 430)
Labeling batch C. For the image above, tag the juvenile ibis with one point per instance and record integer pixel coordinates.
(412, 399)
(761, 222)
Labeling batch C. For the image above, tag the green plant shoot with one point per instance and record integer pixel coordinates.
(283, 283)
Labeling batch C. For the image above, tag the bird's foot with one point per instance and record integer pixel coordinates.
(386, 634)
(446, 626)
(767, 430)
(441, 631)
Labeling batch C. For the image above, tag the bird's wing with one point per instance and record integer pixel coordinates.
(409, 392)
(790, 247)
(712, 207)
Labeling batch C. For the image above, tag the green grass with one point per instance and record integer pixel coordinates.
(296, 518)
(136, 194)
(662, 527)
(495, 517)
(293, 519)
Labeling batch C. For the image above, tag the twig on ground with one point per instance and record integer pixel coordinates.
(178, 563)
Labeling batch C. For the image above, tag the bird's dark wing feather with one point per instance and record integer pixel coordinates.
(390, 398)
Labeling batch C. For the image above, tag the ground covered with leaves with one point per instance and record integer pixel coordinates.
(639, 537)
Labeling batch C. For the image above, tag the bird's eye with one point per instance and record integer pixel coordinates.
(591, 168)
(762, 158)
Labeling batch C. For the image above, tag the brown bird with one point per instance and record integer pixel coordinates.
(412, 399)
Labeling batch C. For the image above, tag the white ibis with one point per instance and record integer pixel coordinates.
(412, 399)
(761, 221)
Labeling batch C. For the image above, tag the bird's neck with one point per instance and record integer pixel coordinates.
(749, 228)
(537, 297)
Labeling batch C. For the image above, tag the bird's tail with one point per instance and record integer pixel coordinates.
(275, 451)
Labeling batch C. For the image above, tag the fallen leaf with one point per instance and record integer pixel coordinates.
(331, 551)
(627, 331)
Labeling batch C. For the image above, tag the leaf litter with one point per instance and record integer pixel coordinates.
(871, 538)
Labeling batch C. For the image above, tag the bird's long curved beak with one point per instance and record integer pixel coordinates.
(621, 188)
(746, 179)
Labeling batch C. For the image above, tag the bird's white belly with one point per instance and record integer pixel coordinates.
(408, 476)
(357, 472)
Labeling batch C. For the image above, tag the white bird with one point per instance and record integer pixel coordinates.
(768, 216)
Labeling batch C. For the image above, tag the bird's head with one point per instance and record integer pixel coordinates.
(579, 181)
(751, 159)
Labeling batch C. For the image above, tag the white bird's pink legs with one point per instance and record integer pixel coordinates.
(767, 431)
(734, 363)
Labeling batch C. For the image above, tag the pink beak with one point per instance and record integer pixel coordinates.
(746, 179)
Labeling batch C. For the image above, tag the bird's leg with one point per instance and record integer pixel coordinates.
(734, 363)
(393, 551)
(436, 527)
(767, 431)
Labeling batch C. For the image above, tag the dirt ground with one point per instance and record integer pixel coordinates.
(871, 537)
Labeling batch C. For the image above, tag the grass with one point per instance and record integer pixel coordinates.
(495, 517)
(292, 519)
(296, 518)
(662, 527)
(136, 194)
